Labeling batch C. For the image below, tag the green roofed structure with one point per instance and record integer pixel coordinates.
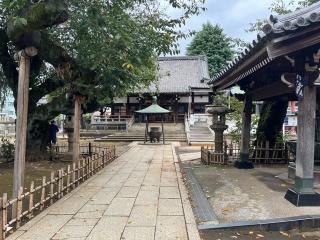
(154, 109)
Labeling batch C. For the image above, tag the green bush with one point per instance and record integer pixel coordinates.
(6, 149)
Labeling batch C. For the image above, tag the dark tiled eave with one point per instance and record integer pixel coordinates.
(277, 26)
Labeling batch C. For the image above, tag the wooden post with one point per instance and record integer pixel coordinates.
(303, 192)
(51, 187)
(73, 175)
(90, 149)
(267, 155)
(245, 135)
(163, 138)
(76, 126)
(4, 214)
(31, 200)
(103, 159)
(306, 138)
(2, 235)
(68, 178)
(19, 208)
(43, 193)
(59, 183)
(22, 118)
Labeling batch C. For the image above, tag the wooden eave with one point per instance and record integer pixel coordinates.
(248, 67)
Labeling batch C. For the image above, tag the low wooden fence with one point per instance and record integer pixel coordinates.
(260, 153)
(57, 152)
(264, 153)
(17, 211)
(209, 157)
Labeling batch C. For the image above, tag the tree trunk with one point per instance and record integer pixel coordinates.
(271, 120)
(38, 140)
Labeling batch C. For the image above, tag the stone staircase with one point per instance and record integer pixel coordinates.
(173, 132)
(201, 135)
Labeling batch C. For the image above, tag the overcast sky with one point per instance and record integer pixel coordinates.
(233, 16)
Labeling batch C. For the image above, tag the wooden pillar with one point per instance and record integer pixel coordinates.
(128, 106)
(146, 131)
(306, 139)
(245, 135)
(192, 102)
(302, 194)
(163, 137)
(76, 127)
(22, 118)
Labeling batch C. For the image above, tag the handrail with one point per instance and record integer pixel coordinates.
(129, 123)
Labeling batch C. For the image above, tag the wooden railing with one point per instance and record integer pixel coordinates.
(260, 153)
(264, 152)
(17, 211)
(112, 122)
(208, 156)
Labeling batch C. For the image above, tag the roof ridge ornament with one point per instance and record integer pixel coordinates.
(154, 100)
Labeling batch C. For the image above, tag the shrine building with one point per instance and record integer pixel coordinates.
(182, 88)
(283, 64)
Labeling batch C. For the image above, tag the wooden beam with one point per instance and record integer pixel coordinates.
(277, 88)
(293, 42)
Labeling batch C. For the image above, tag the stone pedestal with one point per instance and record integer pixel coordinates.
(218, 112)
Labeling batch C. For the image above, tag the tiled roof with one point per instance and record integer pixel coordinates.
(293, 21)
(276, 26)
(177, 74)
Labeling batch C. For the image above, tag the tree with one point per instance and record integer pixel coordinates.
(99, 49)
(215, 45)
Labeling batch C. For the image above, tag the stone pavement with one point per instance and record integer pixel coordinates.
(139, 196)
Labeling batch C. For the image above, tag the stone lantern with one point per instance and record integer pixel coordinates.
(218, 112)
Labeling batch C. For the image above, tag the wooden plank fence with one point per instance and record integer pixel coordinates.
(209, 157)
(260, 153)
(17, 211)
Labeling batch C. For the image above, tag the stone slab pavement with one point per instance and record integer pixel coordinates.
(139, 196)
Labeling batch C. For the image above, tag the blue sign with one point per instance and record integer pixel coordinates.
(300, 84)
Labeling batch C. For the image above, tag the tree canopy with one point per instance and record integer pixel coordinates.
(215, 45)
(98, 48)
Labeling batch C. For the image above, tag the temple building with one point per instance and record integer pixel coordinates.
(182, 88)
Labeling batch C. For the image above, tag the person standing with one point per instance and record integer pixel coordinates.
(53, 132)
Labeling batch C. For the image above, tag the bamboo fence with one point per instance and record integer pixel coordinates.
(17, 211)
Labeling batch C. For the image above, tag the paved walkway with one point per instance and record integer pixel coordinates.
(139, 196)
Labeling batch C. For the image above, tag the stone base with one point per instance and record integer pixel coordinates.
(302, 199)
(243, 164)
(292, 172)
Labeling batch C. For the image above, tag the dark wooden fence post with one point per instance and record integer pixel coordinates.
(90, 149)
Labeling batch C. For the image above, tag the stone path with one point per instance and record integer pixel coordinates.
(139, 196)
